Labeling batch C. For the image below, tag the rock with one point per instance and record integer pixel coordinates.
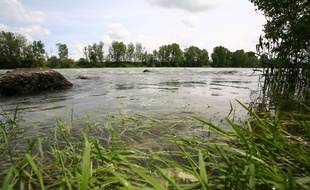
(146, 71)
(87, 77)
(26, 81)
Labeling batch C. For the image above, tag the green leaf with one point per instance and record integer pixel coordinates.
(86, 165)
(35, 169)
(203, 172)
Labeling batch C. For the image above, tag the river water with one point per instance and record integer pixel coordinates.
(163, 92)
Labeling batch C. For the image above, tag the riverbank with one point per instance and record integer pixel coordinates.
(121, 153)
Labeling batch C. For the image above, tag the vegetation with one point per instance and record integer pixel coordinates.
(285, 48)
(148, 153)
(93, 56)
(269, 150)
(16, 52)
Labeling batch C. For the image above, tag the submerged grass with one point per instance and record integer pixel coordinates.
(146, 153)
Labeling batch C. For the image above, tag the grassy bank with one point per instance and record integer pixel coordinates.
(147, 153)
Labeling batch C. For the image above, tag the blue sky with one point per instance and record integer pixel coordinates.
(233, 24)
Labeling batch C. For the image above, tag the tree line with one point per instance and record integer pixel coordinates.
(16, 52)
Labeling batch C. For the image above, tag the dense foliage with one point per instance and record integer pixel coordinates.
(285, 47)
(16, 52)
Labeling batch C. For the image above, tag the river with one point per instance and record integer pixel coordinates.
(163, 92)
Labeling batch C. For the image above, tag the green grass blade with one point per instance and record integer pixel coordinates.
(59, 155)
(15, 114)
(7, 141)
(252, 113)
(252, 176)
(227, 160)
(304, 182)
(115, 133)
(35, 169)
(147, 178)
(305, 162)
(30, 145)
(203, 172)
(202, 175)
(86, 165)
(171, 181)
(7, 185)
(216, 128)
(40, 147)
(238, 133)
(123, 181)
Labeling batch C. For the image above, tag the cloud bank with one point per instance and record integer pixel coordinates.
(14, 18)
(192, 6)
(15, 11)
(117, 31)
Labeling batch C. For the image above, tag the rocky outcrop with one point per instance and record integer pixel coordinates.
(26, 81)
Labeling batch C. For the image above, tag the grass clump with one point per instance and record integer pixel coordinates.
(147, 153)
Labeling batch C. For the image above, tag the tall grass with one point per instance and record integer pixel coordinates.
(146, 153)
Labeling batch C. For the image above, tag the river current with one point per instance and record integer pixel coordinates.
(163, 92)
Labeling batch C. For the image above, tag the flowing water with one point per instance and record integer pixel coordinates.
(163, 92)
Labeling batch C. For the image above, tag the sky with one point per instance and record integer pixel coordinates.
(206, 24)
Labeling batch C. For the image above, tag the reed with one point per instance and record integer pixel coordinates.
(140, 152)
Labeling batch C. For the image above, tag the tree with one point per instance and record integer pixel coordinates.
(117, 52)
(285, 46)
(139, 52)
(170, 55)
(253, 60)
(176, 56)
(195, 57)
(163, 55)
(11, 50)
(220, 57)
(28, 58)
(94, 55)
(63, 54)
(285, 31)
(53, 62)
(156, 58)
(150, 60)
(130, 52)
(204, 57)
(63, 51)
(38, 52)
(239, 59)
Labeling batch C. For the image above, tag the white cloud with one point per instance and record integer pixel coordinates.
(117, 31)
(33, 30)
(189, 5)
(21, 21)
(202, 23)
(191, 21)
(15, 11)
(4, 27)
(77, 52)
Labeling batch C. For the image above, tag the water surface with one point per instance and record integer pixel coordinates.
(164, 92)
